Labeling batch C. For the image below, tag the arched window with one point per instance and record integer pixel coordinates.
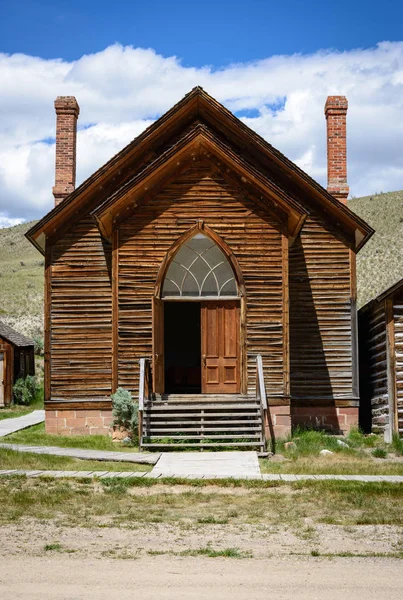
(199, 269)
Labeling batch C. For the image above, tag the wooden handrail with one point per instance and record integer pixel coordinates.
(261, 396)
(144, 393)
(260, 387)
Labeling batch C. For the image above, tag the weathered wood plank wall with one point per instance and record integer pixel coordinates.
(373, 365)
(8, 360)
(320, 315)
(80, 315)
(250, 232)
(398, 330)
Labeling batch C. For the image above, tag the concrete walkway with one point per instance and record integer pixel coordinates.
(102, 455)
(155, 475)
(12, 425)
(241, 465)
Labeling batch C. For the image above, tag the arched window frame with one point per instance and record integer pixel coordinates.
(208, 232)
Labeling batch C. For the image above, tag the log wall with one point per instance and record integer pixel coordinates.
(80, 315)
(253, 236)
(398, 354)
(321, 317)
(374, 368)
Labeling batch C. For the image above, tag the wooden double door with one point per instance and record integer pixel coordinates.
(196, 347)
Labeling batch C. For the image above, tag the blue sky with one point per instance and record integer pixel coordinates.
(271, 63)
(210, 32)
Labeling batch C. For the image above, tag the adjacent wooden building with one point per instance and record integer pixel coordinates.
(17, 359)
(204, 271)
(381, 362)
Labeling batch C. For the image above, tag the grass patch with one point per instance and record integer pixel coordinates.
(353, 454)
(379, 453)
(215, 553)
(56, 546)
(126, 503)
(12, 459)
(36, 436)
(354, 554)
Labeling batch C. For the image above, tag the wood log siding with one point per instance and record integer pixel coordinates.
(81, 315)
(373, 367)
(249, 231)
(320, 315)
(398, 335)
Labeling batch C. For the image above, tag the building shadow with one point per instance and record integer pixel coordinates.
(312, 396)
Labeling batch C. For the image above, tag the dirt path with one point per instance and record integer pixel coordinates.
(31, 538)
(190, 578)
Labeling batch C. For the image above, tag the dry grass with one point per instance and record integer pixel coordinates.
(127, 503)
(21, 281)
(380, 262)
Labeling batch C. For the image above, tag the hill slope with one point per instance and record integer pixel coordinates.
(380, 262)
(21, 281)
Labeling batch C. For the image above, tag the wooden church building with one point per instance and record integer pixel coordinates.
(206, 273)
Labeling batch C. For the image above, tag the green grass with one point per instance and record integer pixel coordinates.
(380, 262)
(21, 281)
(18, 410)
(36, 436)
(128, 503)
(356, 459)
(11, 459)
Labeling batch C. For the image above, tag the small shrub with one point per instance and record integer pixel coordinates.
(125, 411)
(39, 345)
(25, 390)
(379, 453)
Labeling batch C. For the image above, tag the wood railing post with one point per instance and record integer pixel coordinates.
(142, 385)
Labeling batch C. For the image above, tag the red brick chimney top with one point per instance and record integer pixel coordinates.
(336, 116)
(336, 103)
(67, 111)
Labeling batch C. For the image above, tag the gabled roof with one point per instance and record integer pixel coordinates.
(199, 144)
(196, 107)
(396, 287)
(12, 336)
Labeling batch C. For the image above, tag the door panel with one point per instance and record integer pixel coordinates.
(220, 347)
(158, 346)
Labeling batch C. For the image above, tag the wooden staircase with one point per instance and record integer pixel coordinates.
(202, 421)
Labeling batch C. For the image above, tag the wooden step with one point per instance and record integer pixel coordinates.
(205, 429)
(193, 407)
(202, 444)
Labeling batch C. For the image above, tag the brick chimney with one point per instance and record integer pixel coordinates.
(336, 113)
(67, 111)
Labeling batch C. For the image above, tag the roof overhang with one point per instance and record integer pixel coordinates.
(199, 144)
(197, 105)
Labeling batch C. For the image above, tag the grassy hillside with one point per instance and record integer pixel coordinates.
(21, 281)
(380, 262)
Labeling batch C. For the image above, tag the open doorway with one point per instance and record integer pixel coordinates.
(182, 347)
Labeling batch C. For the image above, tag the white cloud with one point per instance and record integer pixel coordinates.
(122, 89)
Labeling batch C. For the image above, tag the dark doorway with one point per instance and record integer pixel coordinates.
(182, 341)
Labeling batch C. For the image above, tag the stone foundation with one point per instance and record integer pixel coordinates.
(328, 418)
(283, 418)
(280, 421)
(78, 422)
